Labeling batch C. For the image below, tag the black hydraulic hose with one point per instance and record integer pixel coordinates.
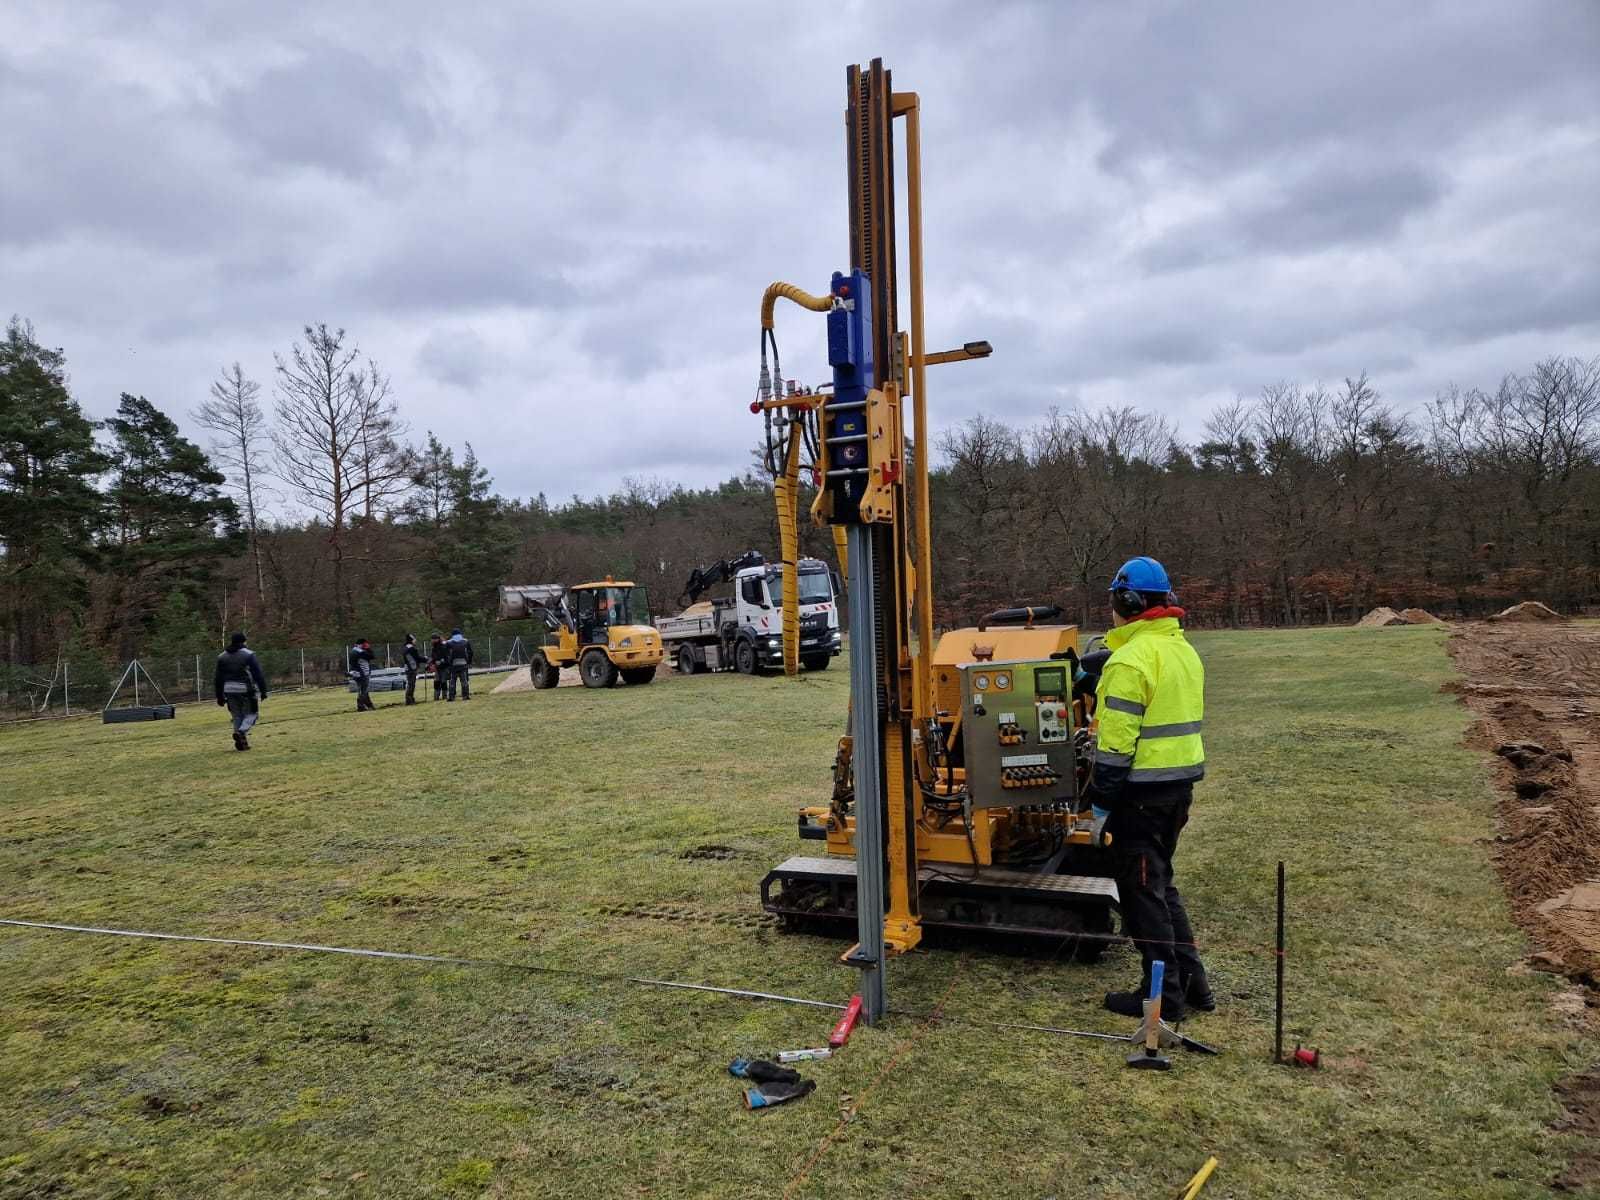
(1022, 614)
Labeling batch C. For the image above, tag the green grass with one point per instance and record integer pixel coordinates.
(549, 829)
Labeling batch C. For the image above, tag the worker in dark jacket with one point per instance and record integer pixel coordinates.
(438, 665)
(240, 687)
(1148, 756)
(361, 673)
(459, 651)
(413, 660)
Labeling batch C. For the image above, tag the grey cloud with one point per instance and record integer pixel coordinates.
(520, 209)
(1349, 199)
(333, 109)
(458, 357)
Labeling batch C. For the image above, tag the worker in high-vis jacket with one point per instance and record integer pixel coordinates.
(1149, 706)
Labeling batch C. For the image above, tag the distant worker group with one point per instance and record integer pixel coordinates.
(240, 684)
(449, 660)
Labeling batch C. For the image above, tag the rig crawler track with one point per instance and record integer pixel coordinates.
(804, 890)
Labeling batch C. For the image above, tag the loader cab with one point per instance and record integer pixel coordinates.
(598, 608)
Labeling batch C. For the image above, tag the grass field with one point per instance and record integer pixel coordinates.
(624, 833)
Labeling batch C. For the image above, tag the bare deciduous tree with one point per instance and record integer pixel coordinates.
(337, 438)
(234, 415)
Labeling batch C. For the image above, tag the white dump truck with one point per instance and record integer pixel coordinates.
(744, 631)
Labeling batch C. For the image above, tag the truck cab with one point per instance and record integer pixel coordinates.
(743, 630)
(759, 613)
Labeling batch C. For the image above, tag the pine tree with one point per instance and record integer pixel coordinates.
(171, 527)
(49, 508)
(467, 557)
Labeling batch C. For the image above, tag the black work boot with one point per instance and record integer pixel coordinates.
(1197, 992)
(238, 740)
(1131, 1004)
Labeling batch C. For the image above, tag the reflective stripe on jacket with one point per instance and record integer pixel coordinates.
(1150, 704)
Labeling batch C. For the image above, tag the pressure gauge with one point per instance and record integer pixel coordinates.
(1002, 682)
(980, 683)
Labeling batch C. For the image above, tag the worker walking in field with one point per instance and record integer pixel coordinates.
(438, 665)
(1149, 706)
(361, 673)
(459, 652)
(412, 658)
(240, 686)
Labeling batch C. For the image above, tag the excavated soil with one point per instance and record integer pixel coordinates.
(1528, 610)
(1420, 616)
(1380, 616)
(1535, 690)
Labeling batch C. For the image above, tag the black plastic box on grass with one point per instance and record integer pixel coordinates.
(138, 712)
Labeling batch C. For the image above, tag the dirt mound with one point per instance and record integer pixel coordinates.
(1528, 610)
(1419, 616)
(521, 680)
(518, 681)
(1379, 617)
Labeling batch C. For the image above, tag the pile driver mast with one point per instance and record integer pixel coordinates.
(906, 795)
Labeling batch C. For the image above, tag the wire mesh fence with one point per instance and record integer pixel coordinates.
(83, 683)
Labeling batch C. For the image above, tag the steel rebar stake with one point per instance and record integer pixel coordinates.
(1277, 1040)
(864, 763)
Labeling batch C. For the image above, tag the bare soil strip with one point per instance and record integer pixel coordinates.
(1535, 689)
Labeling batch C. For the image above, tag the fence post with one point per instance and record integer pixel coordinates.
(491, 649)
(302, 668)
(66, 686)
(386, 654)
(197, 679)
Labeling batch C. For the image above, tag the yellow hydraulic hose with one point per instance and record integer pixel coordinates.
(786, 489)
(788, 291)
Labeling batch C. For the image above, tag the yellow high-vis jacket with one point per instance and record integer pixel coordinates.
(1150, 705)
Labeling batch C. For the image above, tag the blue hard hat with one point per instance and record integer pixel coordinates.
(1141, 574)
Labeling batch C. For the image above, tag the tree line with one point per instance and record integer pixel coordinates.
(311, 516)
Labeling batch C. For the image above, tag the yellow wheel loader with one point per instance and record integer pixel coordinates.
(602, 628)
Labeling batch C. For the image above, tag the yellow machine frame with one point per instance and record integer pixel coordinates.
(917, 689)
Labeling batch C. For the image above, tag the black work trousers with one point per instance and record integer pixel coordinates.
(411, 685)
(441, 679)
(1144, 837)
(244, 709)
(460, 676)
(363, 696)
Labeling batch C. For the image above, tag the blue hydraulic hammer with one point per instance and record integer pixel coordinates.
(844, 416)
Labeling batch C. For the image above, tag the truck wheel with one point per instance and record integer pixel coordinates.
(544, 675)
(597, 670)
(686, 661)
(816, 662)
(640, 675)
(744, 657)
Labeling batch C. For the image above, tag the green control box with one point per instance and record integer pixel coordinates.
(1016, 723)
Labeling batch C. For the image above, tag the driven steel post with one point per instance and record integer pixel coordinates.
(869, 952)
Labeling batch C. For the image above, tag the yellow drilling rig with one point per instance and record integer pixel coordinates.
(957, 799)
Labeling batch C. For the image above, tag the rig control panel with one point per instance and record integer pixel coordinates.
(1016, 720)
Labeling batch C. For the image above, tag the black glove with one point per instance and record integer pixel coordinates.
(222, 702)
(765, 1095)
(762, 1071)
(263, 696)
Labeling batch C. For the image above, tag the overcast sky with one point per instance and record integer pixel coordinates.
(553, 228)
